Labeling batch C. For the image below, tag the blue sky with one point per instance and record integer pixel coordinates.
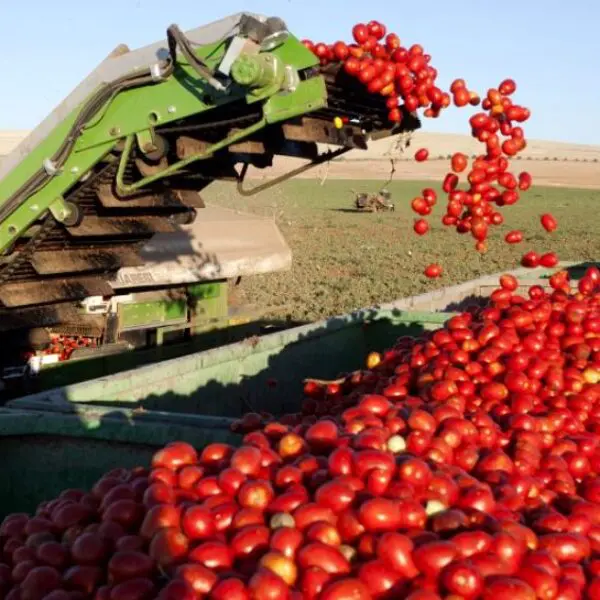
(552, 52)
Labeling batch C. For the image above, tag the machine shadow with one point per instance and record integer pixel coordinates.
(71, 444)
(263, 373)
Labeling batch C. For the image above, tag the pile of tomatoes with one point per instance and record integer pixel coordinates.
(462, 464)
(379, 61)
(405, 77)
(65, 345)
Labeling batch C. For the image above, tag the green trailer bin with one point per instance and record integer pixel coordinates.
(265, 373)
(260, 373)
(44, 453)
(69, 436)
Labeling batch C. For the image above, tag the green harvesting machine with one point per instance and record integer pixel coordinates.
(103, 230)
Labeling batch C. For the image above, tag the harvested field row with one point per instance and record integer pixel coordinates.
(344, 260)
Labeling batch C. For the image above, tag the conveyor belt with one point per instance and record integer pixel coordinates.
(56, 263)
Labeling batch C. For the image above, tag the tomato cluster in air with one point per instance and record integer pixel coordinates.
(405, 77)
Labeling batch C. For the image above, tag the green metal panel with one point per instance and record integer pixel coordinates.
(44, 453)
(212, 289)
(229, 380)
(134, 111)
(140, 314)
(210, 303)
(74, 371)
(338, 344)
(208, 312)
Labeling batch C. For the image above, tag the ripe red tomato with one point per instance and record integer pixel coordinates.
(450, 182)
(525, 181)
(198, 523)
(507, 87)
(174, 456)
(129, 565)
(247, 460)
(321, 50)
(380, 515)
(177, 589)
(548, 260)
(548, 222)
(395, 116)
(459, 162)
(376, 29)
(344, 589)
(420, 206)
(40, 581)
(462, 579)
(168, 546)
(530, 259)
(509, 282)
(392, 42)
(367, 74)
(508, 588)
(286, 541)
(352, 65)
(201, 579)
(327, 558)
(421, 155)
(360, 33)
(340, 51)
(213, 555)
(513, 237)
(395, 550)
(421, 226)
(266, 585)
(308, 44)
(228, 589)
(433, 271)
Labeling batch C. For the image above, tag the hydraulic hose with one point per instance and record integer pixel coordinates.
(91, 108)
(95, 104)
(175, 37)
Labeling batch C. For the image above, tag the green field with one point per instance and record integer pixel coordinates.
(345, 260)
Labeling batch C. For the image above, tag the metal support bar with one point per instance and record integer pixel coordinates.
(61, 210)
(125, 190)
(323, 158)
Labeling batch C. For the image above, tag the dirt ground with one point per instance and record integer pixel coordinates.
(545, 173)
(550, 163)
(344, 260)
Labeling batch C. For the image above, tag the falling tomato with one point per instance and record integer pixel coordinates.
(433, 271)
(507, 87)
(421, 226)
(530, 260)
(548, 222)
(549, 260)
(340, 50)
(421, 155)
(459, 162)
(513, 237)
(360, 33)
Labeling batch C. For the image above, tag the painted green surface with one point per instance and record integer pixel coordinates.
(209, 302)
(134, 111)
(230, 380)
(44, 453)
(157, 313)
(212, 289)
